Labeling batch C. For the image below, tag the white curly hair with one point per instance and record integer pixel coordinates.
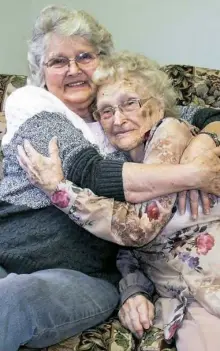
(60, 20)
(146, 72)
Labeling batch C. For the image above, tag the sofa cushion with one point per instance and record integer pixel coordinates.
(195, 85)
(8, 83)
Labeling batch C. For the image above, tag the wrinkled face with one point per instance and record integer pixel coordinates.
(71, 83)
(126, 130)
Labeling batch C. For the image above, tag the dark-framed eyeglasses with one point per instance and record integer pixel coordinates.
(82, 59)
(126, 107)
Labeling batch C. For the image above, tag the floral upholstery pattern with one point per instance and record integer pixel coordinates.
(194, 86)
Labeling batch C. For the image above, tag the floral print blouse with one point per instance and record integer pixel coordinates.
(180, 256)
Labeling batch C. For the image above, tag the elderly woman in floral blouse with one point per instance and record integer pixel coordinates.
(182, 261)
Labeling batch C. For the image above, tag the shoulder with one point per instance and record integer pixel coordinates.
(30, 100)
(29, 105)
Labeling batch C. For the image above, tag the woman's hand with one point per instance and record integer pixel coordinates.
(137, 314)
(43, 172)
(198, 145)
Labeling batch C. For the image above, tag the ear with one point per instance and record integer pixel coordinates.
(153, 111)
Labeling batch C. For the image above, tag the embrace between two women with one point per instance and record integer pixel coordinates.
(122, 158)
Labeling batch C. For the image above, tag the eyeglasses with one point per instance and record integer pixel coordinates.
(126, 107)
(82, 59)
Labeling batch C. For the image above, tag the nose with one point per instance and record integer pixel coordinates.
(119, 118)
(73, 68)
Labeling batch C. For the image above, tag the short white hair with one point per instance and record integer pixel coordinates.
(60, 20)
(126, 64)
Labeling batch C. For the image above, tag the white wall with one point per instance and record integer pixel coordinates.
(170, 31)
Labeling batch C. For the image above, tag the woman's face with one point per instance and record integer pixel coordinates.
(126, 130)
(71, 82)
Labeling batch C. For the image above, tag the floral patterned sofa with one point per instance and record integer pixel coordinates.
(194, 86)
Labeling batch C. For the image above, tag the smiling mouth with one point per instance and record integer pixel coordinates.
(77, 84)
(121, 134)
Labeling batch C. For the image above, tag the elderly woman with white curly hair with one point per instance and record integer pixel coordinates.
(60, 279)
(135, 106)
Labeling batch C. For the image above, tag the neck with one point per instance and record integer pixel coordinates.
(137, 154)
(83, 110)
(84, 113)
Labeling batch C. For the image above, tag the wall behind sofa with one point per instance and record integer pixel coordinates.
(170, 31)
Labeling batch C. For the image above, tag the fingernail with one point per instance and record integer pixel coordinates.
(207, 212)
(194, 217)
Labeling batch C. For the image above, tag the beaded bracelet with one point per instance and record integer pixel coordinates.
(214, 137)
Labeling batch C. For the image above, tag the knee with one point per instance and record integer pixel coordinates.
(108, 295)
(20, 289)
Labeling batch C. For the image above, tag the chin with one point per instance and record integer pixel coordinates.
(79, 99)
(123, 146)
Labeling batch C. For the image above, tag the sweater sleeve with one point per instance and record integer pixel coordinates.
(81, 160)
(102, 176)
(205, 116)
(198, 116)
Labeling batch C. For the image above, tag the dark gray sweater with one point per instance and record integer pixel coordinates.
(35, 235)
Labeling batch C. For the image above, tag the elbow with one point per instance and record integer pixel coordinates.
(136, 239)
(136, 197)
(132, 197)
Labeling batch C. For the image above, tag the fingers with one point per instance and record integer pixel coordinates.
(146, 314)
(26, 164)
(137, 314)
(24, 160)
(129, 318)
(151, 314)
(22, 164)
(182, 202)
(194, 203)
(133, 320)
(53, 149)
(205, 202)
(31, 153)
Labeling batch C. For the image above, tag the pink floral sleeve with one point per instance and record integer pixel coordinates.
(124, 223)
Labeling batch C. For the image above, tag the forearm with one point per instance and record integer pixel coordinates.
(163, 175)
(137, 182)
(122, 223)
(202, 142)
(213, 127)
(149, 181)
